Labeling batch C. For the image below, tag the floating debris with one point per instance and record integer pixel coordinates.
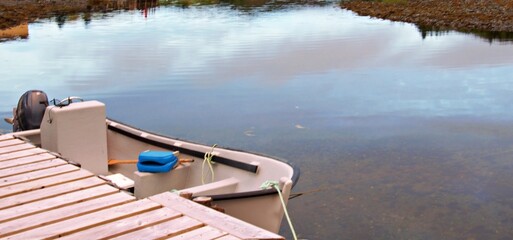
(250, 132)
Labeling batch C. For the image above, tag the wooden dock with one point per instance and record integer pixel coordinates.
(44, 197)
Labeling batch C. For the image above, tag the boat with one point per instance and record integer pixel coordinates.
(80, 132)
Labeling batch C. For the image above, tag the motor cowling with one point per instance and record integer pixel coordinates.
(30, 110)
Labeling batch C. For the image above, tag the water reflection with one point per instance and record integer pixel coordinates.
(109, 5)
(149, 6)
(88, 11)
(489, 36)
(95, 6)
(397, 137)
(18, 32)
(248, 5)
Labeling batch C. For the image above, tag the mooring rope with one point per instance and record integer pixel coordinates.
(208, 159)
(276, 185)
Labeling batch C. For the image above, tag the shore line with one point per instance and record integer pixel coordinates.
(462, 15)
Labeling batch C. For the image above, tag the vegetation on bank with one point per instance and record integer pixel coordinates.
(463, 15)
(16, 12)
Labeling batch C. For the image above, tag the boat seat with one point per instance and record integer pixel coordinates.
(227, 185)
(148, 184)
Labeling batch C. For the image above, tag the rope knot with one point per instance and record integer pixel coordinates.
(208, 160)
(269, 184)
(276, 185)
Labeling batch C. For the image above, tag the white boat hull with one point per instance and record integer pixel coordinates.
(238, 175)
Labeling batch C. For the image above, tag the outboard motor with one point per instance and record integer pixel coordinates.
(30, 110)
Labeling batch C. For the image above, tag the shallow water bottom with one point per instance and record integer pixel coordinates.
(383, 177)
(418, 179)
(398, 134)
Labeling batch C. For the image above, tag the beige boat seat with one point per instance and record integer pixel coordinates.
(78, 133)
(228, 185)
(148, 184)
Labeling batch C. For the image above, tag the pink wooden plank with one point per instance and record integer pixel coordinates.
(51, 191)
(43, 183)
(213, 218)
(204, 233)
(10, 142)
(55, 202)
(82, 222)
(169, 228)
(6, 137)
(48, 161)
(29, 227)
(126, 225)
(16, 148)
(25, 177)
(21, 154)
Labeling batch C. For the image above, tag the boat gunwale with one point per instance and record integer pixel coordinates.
(216, 197)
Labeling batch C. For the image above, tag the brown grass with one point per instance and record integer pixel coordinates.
(488, 15)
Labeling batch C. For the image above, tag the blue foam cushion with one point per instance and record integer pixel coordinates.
(154, 167)
(156, 161)
(158, 157)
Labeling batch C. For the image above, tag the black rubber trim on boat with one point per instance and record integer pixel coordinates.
(219, 197)
(217, 159)
(259, 193)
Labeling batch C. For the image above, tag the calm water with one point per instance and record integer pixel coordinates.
(398, 136)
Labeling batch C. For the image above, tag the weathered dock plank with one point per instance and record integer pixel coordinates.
(44, 197)
(52, 191)
(228, 237)
(126, 225)
(9, 164)
(25, 177)
(212, 218)
(29, 227)
(11, 142)
(166, 229)
(47, 162)
(21, 154)
(203, 233)
(75, 224)
(55, 202)
(44, 182)
(16, 148)
(6, 137)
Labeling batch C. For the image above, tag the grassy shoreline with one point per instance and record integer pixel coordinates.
(13, 13)
(16, 12)
(463, 15)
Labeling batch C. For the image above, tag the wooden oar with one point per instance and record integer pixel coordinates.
(9, 120)
(117, 161)
(134, 161)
